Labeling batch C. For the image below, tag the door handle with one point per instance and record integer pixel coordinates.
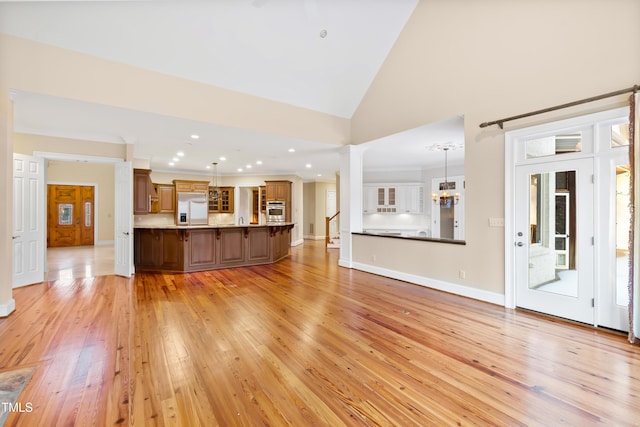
(14, 237)
(519, 244)
(126, 233)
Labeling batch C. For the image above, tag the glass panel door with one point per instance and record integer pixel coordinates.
(554, 227)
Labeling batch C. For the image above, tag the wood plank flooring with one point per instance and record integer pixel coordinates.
(304, 342)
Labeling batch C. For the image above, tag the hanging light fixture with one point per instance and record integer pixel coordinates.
(214, 190)
(445, 198)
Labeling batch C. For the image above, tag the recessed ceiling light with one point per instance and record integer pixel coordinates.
(171, 163)
(249, 166)
(208, 167)
(258, 162)
(292, 150)
(239, 169)
(175, 159)
(223, 158)
(194, 136)
(319, 174)
(180, 153)
(308, 165)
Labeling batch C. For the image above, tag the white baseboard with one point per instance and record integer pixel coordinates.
(345, 263)
(297, 242)
(7, 308)
(453, 288)
(312, 237)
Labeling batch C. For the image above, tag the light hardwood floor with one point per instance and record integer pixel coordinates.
(304, 342)
(76, 262)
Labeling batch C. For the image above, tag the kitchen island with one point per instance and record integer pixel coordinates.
(209, 247)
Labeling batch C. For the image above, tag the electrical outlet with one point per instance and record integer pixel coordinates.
(496, 222)
(373, 258)
(462, 274)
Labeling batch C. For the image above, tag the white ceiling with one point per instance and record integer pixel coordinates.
(221, 43)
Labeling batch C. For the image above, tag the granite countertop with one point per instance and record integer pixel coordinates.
(192, 227)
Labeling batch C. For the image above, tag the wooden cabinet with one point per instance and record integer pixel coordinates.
(263, 198)
(157, 249)
(166, 198)
(224, 203)
(187, 186)
(142, 191)
(163, 199)
(209, 248)
(278, 191)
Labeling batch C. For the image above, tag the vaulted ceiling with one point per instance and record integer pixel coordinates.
(317, 54)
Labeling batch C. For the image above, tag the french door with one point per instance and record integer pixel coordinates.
(554, 238)
(567, 218)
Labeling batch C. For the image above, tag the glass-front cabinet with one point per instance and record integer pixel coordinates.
(221, 199)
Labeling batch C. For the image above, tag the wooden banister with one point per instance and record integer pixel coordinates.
(328, 220)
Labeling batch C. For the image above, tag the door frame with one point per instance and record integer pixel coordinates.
(514, 156)
(96, 205)
(45, 155)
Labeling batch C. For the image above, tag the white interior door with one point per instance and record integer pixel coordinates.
(28, 220)
(540, 284)
(123, 239)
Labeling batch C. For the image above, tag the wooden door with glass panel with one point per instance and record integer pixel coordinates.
(70, 215)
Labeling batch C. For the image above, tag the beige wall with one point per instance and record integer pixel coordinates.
(309, 203)
(29, 144)
(489, 60)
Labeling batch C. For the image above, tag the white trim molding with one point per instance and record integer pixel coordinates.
(7, 308)
(452, 288)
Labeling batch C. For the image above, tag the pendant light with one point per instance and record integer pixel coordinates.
(445, 198)
(214, 190)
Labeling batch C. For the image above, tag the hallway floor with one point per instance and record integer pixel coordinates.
(77, 262)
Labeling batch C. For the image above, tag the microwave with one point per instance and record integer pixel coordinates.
(276, 212)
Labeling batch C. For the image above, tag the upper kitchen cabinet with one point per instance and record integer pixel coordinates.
(411, 198)
(224, 202)
(166, 198)
(393, 198)
(142, 191)
(278, 191)
(187, 186)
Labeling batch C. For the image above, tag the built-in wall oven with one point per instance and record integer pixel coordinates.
(276, 212)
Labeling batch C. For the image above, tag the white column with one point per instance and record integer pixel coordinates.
(7, 303)
(350, 200)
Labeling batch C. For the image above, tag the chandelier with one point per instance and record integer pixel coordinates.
(214, 190)
(445, 198)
